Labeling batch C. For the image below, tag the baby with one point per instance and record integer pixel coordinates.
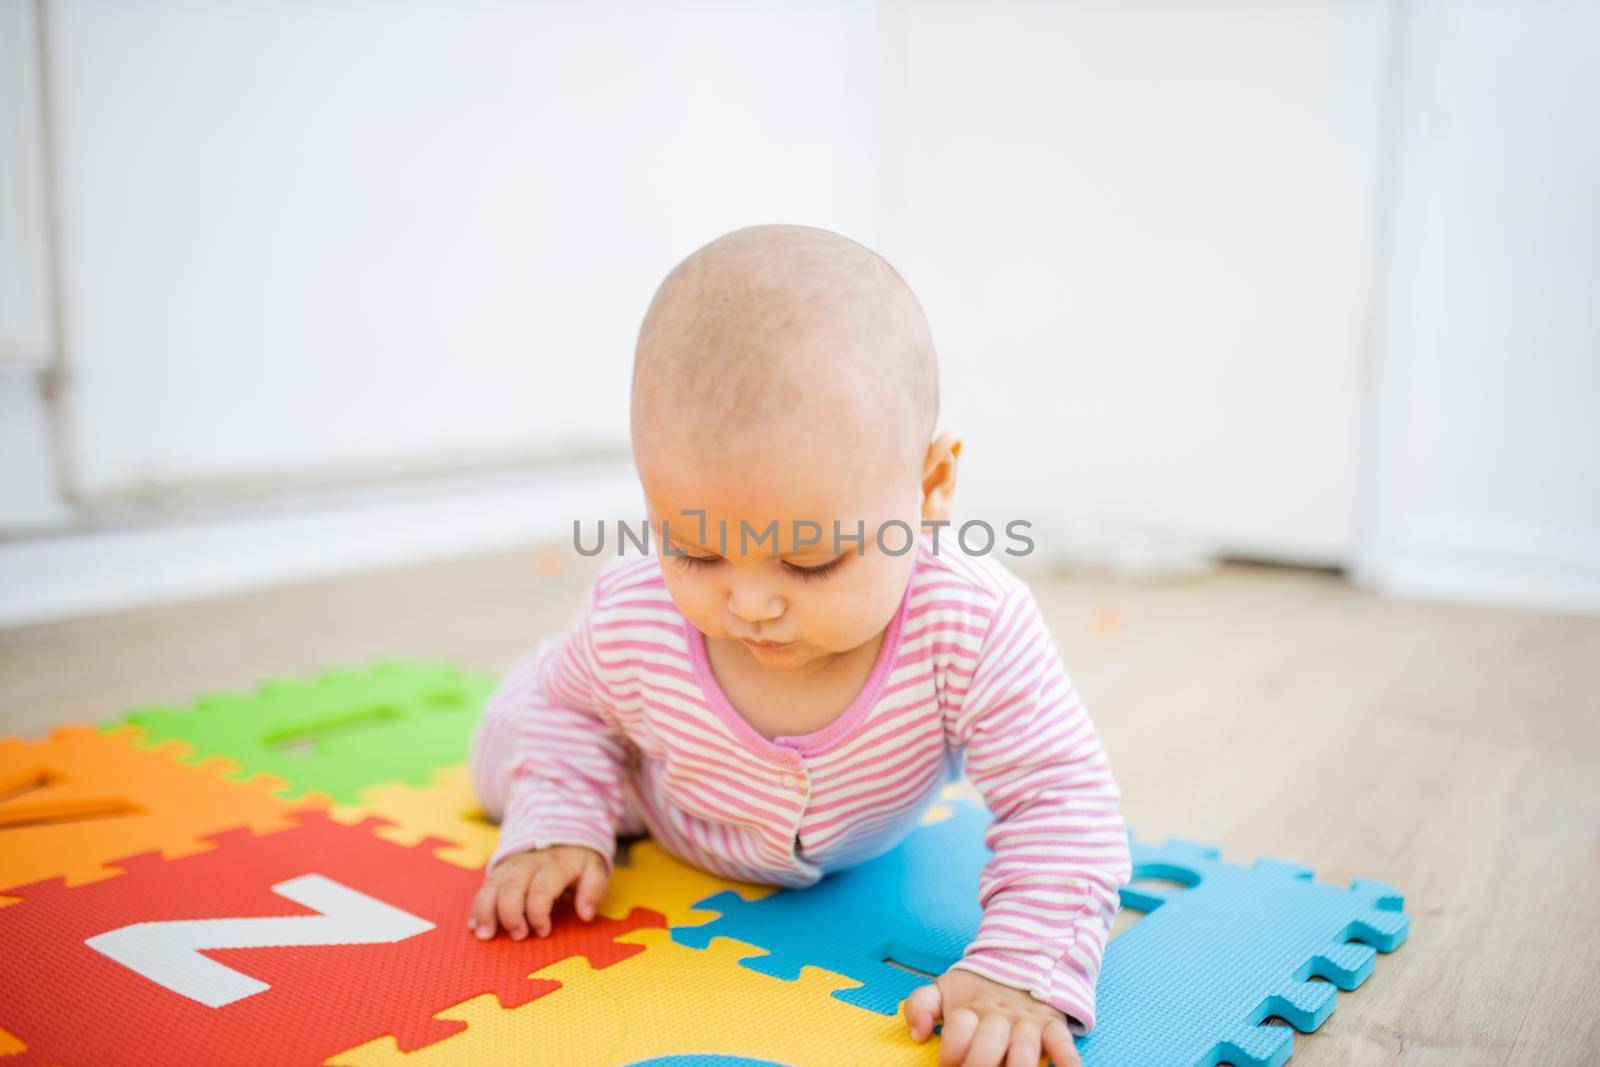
(783, 689)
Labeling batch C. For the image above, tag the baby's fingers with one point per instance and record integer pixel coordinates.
(959, 1026)
(1058, 1045)
(508, 898)
(1024, 1044)
(591, 888)
(989, 1044)
(482, 918)
(923, 1008)
(547, 883)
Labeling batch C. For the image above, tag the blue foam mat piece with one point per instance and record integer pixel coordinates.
(916, 905)
(1190, 983)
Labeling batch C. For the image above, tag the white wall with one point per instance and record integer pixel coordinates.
(28, 489)
(356, 242)
(352, 233)
(25, 326)
(1145, 235)
(1483, 475)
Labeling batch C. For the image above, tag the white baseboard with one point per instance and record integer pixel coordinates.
(1503, 564)
(80, 573)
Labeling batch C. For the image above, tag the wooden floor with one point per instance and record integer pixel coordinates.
(1452, 751)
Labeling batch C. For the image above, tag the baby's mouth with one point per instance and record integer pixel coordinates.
(768, 645)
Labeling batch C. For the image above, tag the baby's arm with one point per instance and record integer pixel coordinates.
(566, 794)
(1049, 893)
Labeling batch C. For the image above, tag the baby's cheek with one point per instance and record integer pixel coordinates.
(864, 612)
(690, 598)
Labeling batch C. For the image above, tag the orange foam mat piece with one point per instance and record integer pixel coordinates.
(82, 797)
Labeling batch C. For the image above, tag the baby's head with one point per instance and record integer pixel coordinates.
(786, 375)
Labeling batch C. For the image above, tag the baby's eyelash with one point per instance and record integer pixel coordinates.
(812, 573)
(689, 563)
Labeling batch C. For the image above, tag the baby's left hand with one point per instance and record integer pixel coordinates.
(983, 1020)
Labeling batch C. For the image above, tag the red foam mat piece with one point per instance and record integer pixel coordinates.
(71, 1004)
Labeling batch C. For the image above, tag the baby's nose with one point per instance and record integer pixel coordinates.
(755, 605)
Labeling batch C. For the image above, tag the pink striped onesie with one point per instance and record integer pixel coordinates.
(619, 727)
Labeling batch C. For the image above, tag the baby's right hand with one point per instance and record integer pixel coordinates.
(521, 890)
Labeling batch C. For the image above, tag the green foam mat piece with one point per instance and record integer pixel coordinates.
(336, 733)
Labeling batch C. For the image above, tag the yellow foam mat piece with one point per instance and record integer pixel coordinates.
(962, 792)
(656, 880)
(445, 808)
(668, 1000)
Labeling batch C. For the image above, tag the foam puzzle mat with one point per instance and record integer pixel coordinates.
(283, 878)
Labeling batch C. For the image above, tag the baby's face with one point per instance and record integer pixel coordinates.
(785, 386)
(790, 604)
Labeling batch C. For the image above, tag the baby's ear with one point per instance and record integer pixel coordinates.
(939, 475)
